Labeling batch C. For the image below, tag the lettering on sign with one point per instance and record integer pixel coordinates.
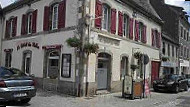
(28, 44)
(108, 40)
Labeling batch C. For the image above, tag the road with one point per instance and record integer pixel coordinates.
(49, 99)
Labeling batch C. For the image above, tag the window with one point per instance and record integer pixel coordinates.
(141, 31)
(168, 49)
(176, 52)
(106, 17)
(184, 55)
(181, 51)
(125, 25)
(66, 65)
(164, 48)
(187, 53)
(8, 59)
(124, 67)
(55, 16)
(172, 51)
(187, 36)
(11, 26)
(184, 34)
(181, 31)
(156, 38)
(27, 57)
(29, 23)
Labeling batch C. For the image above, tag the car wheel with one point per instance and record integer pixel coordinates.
(176, 89)
(25, 100)
(155, 90)
(186, 88)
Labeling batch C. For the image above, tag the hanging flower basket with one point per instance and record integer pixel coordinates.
(138, 55)
(91, 48)
(133, 67)
(164, 59)
(74, 42)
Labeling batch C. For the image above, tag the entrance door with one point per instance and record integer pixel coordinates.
(102, 75)
(155, 70)
(53, 65)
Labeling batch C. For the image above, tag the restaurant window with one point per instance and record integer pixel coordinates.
(66, 65)
(8, 59)
(27, 58)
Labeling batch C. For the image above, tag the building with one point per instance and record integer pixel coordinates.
(35, 34)
(175, 37)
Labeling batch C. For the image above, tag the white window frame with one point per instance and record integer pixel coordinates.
(125, 25)
(29, 23)
(8, 59)
(55, 16)
(11, 28)
(106, 18)
(141, 31)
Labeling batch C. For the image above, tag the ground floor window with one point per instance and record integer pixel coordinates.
(27, 57)
(124, 67)
(8, 59)
(66, 65)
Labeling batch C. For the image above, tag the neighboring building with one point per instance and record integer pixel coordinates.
(175, 36)
(35, 34)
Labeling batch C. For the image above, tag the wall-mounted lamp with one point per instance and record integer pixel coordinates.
(134, 14)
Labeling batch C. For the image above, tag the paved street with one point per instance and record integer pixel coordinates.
(44, 99)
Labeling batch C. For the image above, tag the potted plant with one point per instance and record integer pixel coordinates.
(74, 42)
(164, 59)
(91, 48)
(133, 67)
(138, 55)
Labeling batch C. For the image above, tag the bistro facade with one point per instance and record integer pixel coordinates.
(35, 34)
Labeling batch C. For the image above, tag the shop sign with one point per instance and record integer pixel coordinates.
(28, 44)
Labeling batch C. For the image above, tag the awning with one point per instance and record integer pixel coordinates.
(8, 50)
(57, 46)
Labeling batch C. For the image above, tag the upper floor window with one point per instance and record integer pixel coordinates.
(141, 31)
(187, 36)
(156, 38)
(163, 48)
(11, 27)
(106, 17)
(125, 25)
(29, 21)
(168, 49)
(181, 31)
(172, 51)
(184, 34)
(54, 16)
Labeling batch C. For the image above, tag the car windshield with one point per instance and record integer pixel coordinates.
(170, 77)
(5, 72)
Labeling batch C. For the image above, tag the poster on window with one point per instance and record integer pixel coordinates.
(66, 65)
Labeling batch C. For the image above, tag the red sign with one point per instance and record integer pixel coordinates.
(52, 46)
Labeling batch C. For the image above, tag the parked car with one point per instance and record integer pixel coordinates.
(15, 85)
(188, 78)
(174, 83)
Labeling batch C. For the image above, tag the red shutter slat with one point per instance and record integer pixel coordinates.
(34, 20)
(159, 40)
(23, 28)
(120, 26)
(153, 44)
(131, 28)
(113, 21)
(7, 30)
(14, 27)
(144, 34)
(46, 18)
(98, 14)
(136, 30)
(62, 14)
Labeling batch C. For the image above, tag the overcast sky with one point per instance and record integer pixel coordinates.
(182, 3)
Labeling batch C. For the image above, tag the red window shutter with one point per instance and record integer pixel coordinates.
(7, 30)
(144, 34)
(136, 30)
(34, 20)
(23, 28)
(120, 26)
(159, 40)
(153, 37)
(98, 14)
(46, 18)
(14, 26)
(131, 28)
(113, 21)
(61, 14)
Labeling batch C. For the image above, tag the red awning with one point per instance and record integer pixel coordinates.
(8, 50)
(57, 46)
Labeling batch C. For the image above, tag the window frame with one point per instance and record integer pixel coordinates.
(29, 22)
(66, 64)
(8, 59)
(54, 21)
(126, 25)
(106, 27)
(141, 31)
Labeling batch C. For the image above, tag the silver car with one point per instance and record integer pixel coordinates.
(16, 86)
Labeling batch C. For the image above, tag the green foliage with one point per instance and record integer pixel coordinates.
(91, 48)
(133, 67)
(164, 59)
(138, 55)
(74, 42)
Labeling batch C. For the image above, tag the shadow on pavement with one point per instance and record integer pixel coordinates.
(14, 103)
